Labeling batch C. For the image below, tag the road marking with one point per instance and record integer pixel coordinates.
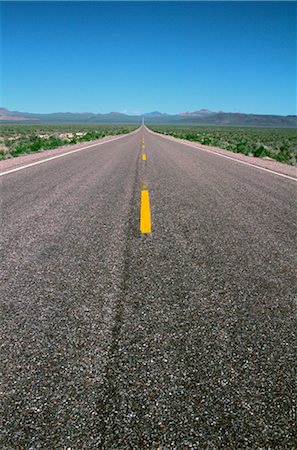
(226, 156)
(143, 157)
(143, 146)
(62, 155)
(145, 212)
(144, 185)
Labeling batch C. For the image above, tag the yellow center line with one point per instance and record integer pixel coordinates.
(145, 212)
(143, 146)
(143, 157)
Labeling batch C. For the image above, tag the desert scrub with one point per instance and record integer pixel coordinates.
(18, 139)
(277, 143)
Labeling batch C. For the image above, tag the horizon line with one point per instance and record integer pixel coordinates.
(202, 110)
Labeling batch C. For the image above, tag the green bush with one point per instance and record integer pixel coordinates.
(2, 154)
(19, 149)
(283, 156)
(35, 146)
(206, 141)
(242, 147)
(53, 142)
(260, 152)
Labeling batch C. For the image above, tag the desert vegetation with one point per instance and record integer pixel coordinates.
(18, 139)
(279, 144)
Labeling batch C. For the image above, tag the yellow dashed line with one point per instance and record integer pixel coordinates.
(145, 212)
(143, 157)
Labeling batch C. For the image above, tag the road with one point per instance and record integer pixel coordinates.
(178, 338)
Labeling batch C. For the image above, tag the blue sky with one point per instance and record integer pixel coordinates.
(146, 56)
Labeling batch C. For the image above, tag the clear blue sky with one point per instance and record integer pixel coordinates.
(146, 56)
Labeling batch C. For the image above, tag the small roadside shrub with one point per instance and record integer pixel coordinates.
(261, 151)
(19, 149)
(53, 142)
(35, 146)
(242, 147)
(206, 141)
(2, 154)
(231, 148)
(283, 156)
(192, 137)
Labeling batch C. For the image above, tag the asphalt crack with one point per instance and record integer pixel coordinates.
(110, 399)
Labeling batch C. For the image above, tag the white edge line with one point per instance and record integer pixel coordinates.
(171, 138)
(63, 154)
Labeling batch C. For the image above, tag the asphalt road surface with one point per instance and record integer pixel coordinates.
(182, 338)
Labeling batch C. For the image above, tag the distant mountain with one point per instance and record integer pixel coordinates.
(7, 115)
(201, 112)
(68, 117)
(154, 114)
(240, 119)
(115, 114)
(200, 117)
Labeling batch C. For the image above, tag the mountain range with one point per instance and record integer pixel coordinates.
(200, 117)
